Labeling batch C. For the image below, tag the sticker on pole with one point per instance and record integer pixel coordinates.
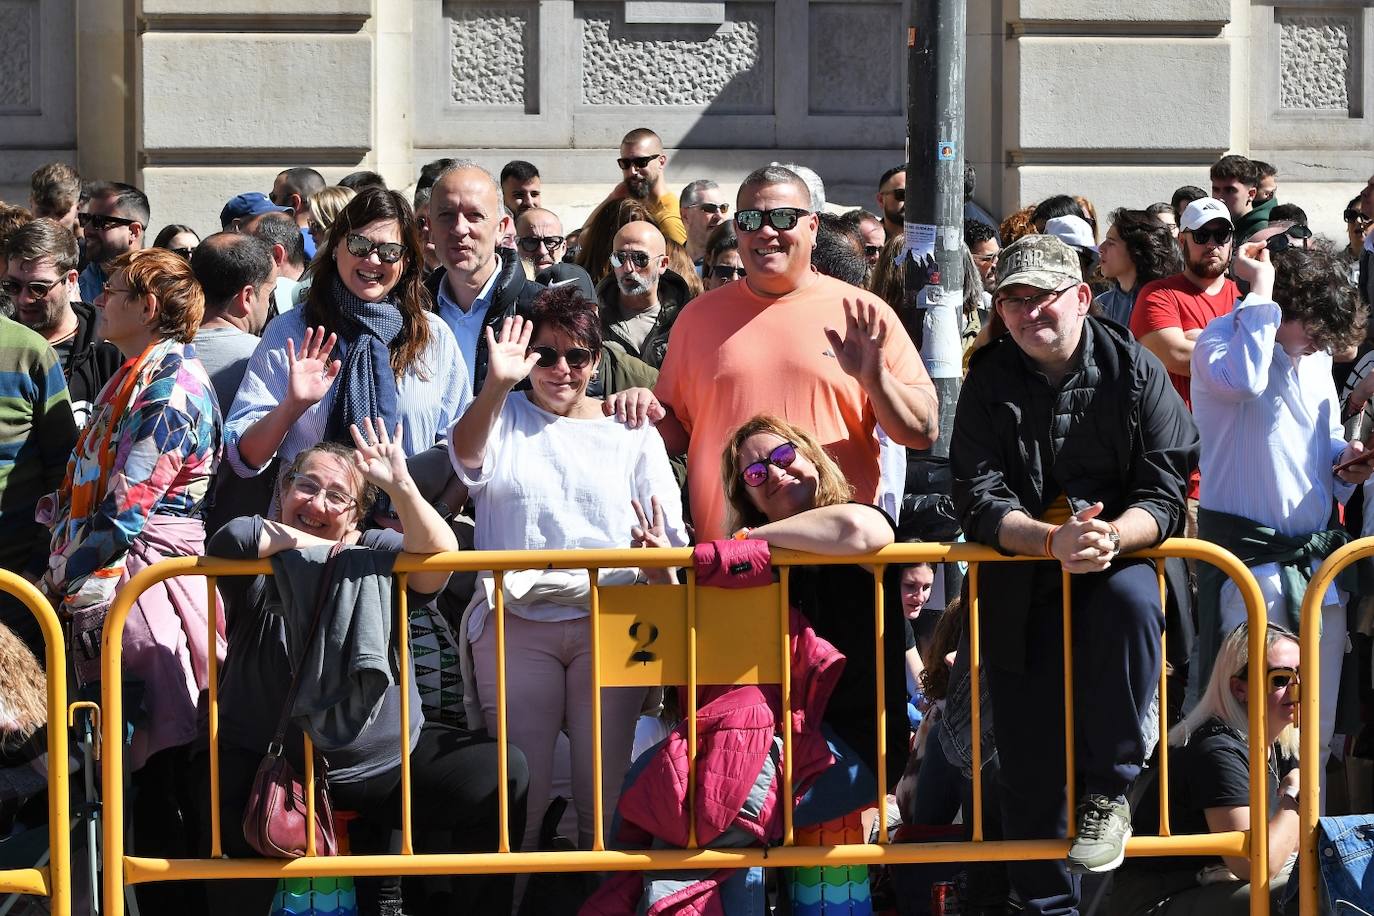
(944, 151)
(918, 242)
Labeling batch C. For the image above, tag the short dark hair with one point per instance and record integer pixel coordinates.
(723, 238)
(1311, 285)
(281, 229)
(171, 231)
(55, 189)
(301, 180)
(1184, 196)
(839, 250)
(1290, 213)
(430, 172)
(363, 179)
(890, 172)
(638, 134)
(43, 238)
(1265, 169)
(1156, 209)
(976, 231)
(520, 170)
(226, 262)
(126, 197)
(565, 309)
(1149, 244)
(1235, 168)
(1058, 205)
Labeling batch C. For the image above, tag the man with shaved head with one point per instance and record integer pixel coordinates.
(539, 238)
(641, 297)
(477, 286)
(292, 188)
(641, 163)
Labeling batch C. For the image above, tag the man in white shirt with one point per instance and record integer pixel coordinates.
(1266, 407)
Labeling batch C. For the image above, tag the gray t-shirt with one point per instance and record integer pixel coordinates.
(224, 352)
(256, 673)
(638, 327)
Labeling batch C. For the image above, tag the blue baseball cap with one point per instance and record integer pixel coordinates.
(242, 206)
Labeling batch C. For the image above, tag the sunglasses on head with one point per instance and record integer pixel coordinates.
(1204, 236)
(639, 162)
(38, 289)
(713, 209)
(100, 222)
(640, 259)
(726, 273)
(360, 246)
(1288, 238)
(532, 243)
(755, 474)
(577, 357)
(782, 218)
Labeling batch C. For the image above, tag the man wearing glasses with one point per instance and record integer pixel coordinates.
(539, 238)
(704, 207)
(790, 342)
(640, 297)
(641, 163)
(1069, 444)
(892, 199)
(114, 222)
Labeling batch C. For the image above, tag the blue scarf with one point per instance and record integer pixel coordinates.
(366, 385)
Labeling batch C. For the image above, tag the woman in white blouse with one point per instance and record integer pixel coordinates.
(548, 470)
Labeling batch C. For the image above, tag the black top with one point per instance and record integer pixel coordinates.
(1112, 430)
(1211, 771)
(838, 600)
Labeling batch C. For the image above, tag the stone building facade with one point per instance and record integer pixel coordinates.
(196, 100)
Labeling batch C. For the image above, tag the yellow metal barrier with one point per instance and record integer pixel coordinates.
(680, 618)
(53, 880)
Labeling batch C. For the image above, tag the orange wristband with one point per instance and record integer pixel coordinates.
(1049, 536)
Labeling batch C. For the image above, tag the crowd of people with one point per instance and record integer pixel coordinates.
(349, 366)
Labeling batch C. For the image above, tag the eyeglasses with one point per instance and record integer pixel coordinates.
(639, 162)
(532, 243)
(898, 194)
(713, 209)
(107, 289)
(640, 259)
(726, 273)
(1032, 303)
(1288, 238)
(360, 246)
(992, 258)
(577, 357)
(1278, 678)
(1220, 236)
(782, 218)
(782, 457)
(1355, 216)
(100, 222)
(309, 487)
(184, 252)
(872, 251)
(38, 289)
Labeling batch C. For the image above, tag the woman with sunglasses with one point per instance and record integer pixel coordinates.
(720, 261)
(367, 323)
(548, 470)
(177, 239)
(1209, 789)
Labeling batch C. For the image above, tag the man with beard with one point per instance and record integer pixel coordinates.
(1171, 312)
(40, 274)
(641, 162)
(704, 207)
(115, 221)
(641, 297)
(892, 199)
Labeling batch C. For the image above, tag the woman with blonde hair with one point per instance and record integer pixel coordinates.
(1209, 790)
(325, 205)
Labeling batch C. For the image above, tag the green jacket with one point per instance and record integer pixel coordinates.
(1255, 220)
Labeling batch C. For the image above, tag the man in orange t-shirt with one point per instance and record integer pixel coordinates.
(787, 341)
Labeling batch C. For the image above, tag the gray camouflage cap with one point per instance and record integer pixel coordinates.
(1042, 261)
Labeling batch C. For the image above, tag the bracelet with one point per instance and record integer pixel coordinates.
(1049, 536)
(741, 535)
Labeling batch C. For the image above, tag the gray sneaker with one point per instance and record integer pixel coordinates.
(1104, 826)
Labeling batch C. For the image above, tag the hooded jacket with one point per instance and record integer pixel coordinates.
(673, 294)
(1255, 220)
(90, 365)
(513, 295)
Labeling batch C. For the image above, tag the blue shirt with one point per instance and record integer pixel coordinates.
(309, 244)
(467, 326)
(91, 282)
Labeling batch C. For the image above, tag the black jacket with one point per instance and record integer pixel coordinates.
(673, 294)
(513, 294)
(1114, 430)
(91, 364)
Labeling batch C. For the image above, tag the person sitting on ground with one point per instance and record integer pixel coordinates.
(1209, 789)
(324, 497)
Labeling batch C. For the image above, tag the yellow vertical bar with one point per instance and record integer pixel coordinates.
(598, 764)
(785, 627)
(112, 763)
(309, 796)
(1069, 762)
(59, 799)
(403, 644)
(691, 708)
(1309, 743)
(880, 675)
(1163, 708)
(212, 603)
(502, 749)
(975, 665)
(1259, 749)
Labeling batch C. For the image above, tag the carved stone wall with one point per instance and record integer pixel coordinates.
(1315, 66)
(18, 29)
(853, 70)
(37, 90)
(488, 50)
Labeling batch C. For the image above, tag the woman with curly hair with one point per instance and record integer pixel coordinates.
(1137, 249)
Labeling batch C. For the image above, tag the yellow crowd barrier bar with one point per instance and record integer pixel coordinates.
(123, 869)
(53, 880)
(1309, 716)
(1163, 710)
(975, 651)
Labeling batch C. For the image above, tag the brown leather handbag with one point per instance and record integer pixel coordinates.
(274, 822)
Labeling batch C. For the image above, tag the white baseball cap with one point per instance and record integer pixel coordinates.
(1202, 211)
(1073, 231)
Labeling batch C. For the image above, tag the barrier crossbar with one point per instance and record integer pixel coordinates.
(53, 880)
(696, 611)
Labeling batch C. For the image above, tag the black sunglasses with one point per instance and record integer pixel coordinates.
(100, 222)
(782, 218)
(640, 259)
(898, 194)
(726, 273)
(1278, 678)
(755, 474)
(638, 162)
(532, 243)
(360, 246)
(872, 251)
(184, 252)
(1355, 216)
(577, 357)
(722, 209)
(1207, 236)
(38, 289)
(1286, 239)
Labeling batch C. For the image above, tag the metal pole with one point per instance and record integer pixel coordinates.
(935, 194)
